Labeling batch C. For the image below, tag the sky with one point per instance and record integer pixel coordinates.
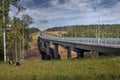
(56, 13)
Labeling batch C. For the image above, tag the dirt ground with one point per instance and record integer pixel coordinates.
(33, 52)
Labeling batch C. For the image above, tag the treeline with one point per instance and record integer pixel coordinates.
(33, 30)
(103, 31)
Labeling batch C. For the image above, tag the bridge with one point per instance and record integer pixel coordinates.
(103, 46)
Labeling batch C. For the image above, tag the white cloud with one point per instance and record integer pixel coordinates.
(78, 10)
(54, 2)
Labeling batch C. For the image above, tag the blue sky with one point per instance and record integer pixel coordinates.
(51, 13)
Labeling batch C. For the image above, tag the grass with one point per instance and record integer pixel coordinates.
(35, 36)
(106, 68)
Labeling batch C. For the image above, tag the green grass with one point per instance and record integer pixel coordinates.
(106, 68)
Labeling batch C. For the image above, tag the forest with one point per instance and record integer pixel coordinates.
(92, 31)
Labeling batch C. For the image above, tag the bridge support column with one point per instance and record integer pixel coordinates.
(39, 43)
(69, 52)
(47, 48)
(80, 53)
(100, 54)
(56, 51)
(42, 44)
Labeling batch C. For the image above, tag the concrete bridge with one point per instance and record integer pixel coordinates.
(104, 46)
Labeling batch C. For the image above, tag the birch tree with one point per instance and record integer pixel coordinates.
(4, 21)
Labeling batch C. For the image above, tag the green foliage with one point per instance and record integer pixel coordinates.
(1, 48)
(106, 31)
(74, 69)
(1, 52)
(14, 33)
(4, 15)
(14, 38)
(26, 21)
(18, 37)
(1, 44)
(6, 9)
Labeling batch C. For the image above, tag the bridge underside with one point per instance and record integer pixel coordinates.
(80, 48)
(93, 47)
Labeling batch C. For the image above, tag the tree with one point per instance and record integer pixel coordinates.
(15, 36)
(4, 10)
(26, 21)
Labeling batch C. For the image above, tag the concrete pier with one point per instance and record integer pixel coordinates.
(100, 54)
(69, 52)
(47, 48)
(56, 51)
(80, 53)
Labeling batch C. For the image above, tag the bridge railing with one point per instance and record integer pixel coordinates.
(102, 41)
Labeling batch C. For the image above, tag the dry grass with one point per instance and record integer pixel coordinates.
(56, 33)
(35, 36)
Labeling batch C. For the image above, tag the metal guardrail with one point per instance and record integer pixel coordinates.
(99, 41)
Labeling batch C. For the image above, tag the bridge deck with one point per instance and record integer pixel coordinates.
(104, 45)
